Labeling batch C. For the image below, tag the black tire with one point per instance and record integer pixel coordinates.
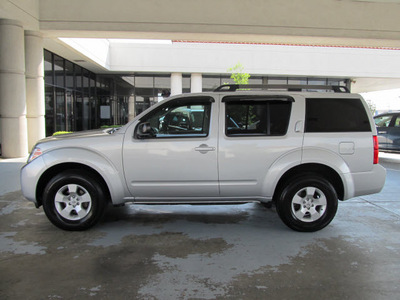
(307, 203)
(73, 200)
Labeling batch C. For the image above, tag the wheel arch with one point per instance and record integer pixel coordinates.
(321, 170)
(59, 168)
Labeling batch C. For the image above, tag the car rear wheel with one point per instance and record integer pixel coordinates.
(74, 200)
(307, 203)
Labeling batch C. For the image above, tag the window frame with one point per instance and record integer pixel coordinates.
(391, 122)
(310, 127)
(207, 101)
(245, 99)
(394, 120)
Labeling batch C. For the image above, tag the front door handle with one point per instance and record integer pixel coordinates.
(203, 148)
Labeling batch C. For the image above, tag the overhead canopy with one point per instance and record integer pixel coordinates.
(346, 23)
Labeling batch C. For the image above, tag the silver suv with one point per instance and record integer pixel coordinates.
(301, 150)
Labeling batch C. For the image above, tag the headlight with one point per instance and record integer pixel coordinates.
(36, 152)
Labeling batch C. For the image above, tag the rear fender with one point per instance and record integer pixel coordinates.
(312, 157)
(335, 162)
(278, 169)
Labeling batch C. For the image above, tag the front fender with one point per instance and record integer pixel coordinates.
(111, 173)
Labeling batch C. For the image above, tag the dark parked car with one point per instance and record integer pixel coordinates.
(388, 126)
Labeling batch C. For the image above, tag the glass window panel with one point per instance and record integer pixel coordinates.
(103, 87)
(78, 78)
(255, 80)
(144, 82)
(59, 70)
(49, 106)
(69, 110)
(211, 83)
(144, 93)
(226, 80)
(85, 82)
(92, 84)
(336, 115)
(79, 111)
(85, 113)
(162, 82)
(339, 82)
(269, 118)
(397, 122)
(185, 84)
(316, 81)
(140, 105)
(297, 81)
(383, 121)
(93, 105)
(48, 67)
(69, 75)
(277, 80)
(60, 109)
(191, 119)
(163, 87)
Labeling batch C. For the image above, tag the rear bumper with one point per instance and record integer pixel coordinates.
(367, 183)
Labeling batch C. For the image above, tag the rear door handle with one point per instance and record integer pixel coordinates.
(203, 148)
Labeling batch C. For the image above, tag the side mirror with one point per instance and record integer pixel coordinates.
(144, 131)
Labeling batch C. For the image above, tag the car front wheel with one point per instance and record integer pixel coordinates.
(307, 204)
(74, 200)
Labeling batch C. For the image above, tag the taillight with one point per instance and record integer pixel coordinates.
(376, 150)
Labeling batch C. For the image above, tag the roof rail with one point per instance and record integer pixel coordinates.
(287, 87)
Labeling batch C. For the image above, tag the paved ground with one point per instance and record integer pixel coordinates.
(200, 252)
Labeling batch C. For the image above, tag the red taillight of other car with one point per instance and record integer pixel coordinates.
(376, 150)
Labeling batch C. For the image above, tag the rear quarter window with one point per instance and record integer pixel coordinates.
(336, 115)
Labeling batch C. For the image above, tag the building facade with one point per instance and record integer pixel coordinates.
(77, 99)
(88, 76)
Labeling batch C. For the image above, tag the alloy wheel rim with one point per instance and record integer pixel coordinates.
(309, 204)
(73, 202)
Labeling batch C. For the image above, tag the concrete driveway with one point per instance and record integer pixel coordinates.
(204, 252)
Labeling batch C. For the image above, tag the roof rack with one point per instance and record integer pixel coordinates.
(287, 87)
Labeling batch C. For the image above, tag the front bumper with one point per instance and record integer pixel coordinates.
(30, 175)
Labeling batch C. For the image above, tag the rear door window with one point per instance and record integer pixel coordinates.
(263, 117)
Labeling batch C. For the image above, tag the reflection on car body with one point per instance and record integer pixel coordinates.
(388, 126)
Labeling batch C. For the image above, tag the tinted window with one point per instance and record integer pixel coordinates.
(248, 117)
(383, 121)
(189, 118)
(397, 122)
(336, 115)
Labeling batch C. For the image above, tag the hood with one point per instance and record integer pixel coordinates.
(80, 134)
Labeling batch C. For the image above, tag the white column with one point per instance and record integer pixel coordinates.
(34, 87)
(176, 84)
(196, 83)
(14, 140)
(131, 107)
